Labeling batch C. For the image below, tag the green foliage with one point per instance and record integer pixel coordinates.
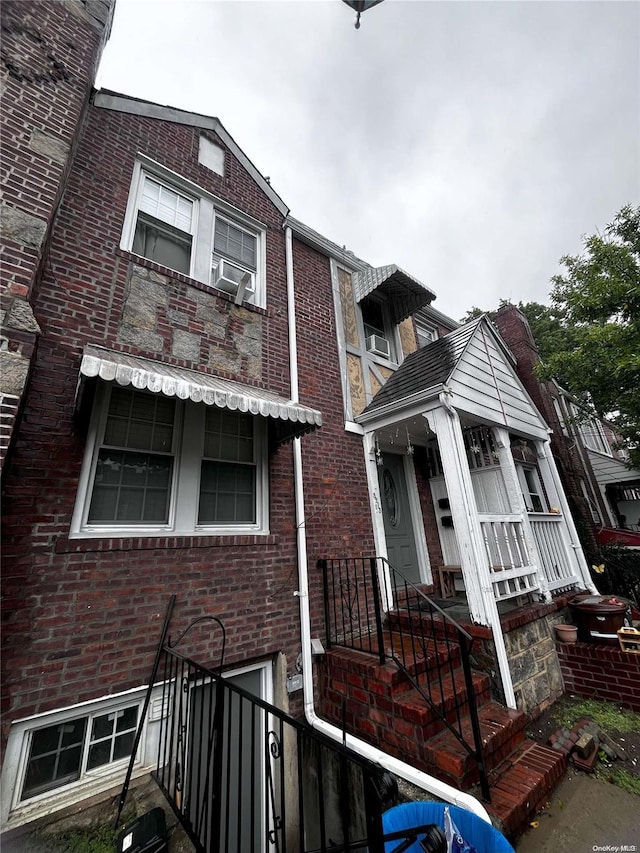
(589, 338)
(598, 299)
(609, 717)
(621, 778)
(621, 575)
(94, 839)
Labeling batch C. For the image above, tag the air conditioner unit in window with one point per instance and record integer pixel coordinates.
(232, 279)
(378, 345)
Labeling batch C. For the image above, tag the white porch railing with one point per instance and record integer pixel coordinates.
(510, 563)
(556, 561)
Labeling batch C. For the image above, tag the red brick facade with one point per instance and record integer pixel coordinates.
(81, 613)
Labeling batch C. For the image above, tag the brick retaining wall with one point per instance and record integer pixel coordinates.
(601, 672)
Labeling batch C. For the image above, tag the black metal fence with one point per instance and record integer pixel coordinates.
(431, 648)
(242, 776)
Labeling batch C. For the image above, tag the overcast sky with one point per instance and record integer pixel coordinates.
(471, 143)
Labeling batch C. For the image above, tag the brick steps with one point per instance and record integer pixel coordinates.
(502, 730)
(378, 703)
(522, 784)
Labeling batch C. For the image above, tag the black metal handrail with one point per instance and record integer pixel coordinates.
(241, 775)
(423, 641)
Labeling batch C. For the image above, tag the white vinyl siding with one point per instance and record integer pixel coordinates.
(486, 386)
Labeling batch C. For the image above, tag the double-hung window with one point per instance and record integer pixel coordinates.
(158, 464)
(164, 225)
(179, 225)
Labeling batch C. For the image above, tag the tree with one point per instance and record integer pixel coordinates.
(597, 299)
(589, 337)
(547, 326)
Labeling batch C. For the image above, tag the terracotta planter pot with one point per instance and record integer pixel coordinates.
(566, 633)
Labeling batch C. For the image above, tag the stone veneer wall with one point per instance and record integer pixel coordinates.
(534, 664)
(532, 653)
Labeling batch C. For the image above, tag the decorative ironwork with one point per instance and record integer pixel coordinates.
(424, 642)
(242, 776)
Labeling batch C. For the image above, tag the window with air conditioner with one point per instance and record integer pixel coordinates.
(234, 260)
(176, 224)
(378, 336)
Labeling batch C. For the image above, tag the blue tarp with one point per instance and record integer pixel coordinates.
(484, 837)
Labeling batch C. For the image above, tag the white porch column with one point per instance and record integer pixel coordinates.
(371, 467)
(555, 490)
(445, 423)
(514, 495)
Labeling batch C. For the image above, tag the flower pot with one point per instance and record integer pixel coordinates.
(566, 633)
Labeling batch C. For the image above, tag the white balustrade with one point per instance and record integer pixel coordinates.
(513, 572)
(556, 562)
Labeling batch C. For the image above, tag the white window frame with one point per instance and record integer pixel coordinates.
(522, 470)
(206, 207)
(18, 810)
(591, 431)
(425, 333)
(188, 440)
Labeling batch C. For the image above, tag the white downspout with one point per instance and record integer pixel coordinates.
(372, 753)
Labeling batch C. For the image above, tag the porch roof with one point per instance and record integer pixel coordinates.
(290, 419)
(428, 368)
(405, 293)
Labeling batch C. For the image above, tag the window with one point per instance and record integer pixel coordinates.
(228, 478)
(156, 463)
(65, 751)
(593, 507)
(173, 222)
(591, 431)
(426, 333)
(593, 435)
(234, 259)
(480, 447)
(164, 226)
(532, 492)
(378, 335)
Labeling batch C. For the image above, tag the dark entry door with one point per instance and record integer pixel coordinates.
(398, 525)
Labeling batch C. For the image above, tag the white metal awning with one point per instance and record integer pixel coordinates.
(291, 419)
(405, 293)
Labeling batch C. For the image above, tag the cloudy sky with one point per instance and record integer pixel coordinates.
(471, 143)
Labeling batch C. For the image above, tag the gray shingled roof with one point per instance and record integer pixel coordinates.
(405, 293)
(428, 367)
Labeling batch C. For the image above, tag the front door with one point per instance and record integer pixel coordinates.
(396, 512)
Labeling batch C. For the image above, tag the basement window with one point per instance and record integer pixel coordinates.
(68, 750)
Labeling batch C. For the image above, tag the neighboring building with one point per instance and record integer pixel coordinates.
(603, 492)
(189, 331)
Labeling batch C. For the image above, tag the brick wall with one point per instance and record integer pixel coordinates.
(515, 331)
(336, 495)
(82, 617)
(601, 672)
(50, 52)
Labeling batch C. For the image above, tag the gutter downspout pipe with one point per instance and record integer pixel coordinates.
(394, 765)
